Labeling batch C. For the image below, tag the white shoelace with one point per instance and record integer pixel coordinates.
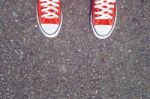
(102, 13)
(47, 6)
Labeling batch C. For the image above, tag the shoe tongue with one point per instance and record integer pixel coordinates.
(55, 0)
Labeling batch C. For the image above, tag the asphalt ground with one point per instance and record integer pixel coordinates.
(76, 64)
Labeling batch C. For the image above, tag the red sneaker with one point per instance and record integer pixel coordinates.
(103, 17)
(49, 17)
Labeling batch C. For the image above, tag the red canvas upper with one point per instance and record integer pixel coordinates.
(103, 21)
(47, 20)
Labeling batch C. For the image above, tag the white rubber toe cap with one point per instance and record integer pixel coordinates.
(102, 31)
(50, 30)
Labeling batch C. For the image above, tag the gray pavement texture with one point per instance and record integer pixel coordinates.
(75, 65)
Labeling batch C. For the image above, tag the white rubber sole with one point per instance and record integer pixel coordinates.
(53, 35)
(110, 32)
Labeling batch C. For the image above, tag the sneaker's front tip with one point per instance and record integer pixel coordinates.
(49, 16)
(50, 30)
(103, 17)
(102, 31)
